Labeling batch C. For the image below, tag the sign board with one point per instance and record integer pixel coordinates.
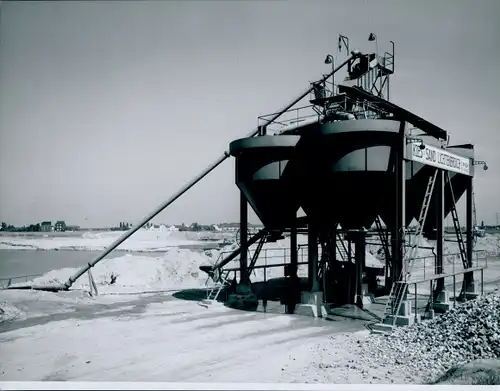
(439, 157)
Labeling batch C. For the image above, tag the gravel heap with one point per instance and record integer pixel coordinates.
(467, 332)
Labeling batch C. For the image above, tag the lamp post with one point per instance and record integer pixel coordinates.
(392, 43)
(330, 60)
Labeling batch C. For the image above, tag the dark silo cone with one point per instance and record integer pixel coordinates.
(265, 175)
(348, 171)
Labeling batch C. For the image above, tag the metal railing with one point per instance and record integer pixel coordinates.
(387, 61)
(271, 253)
(8, 281)
(424, 267)
(290, 119)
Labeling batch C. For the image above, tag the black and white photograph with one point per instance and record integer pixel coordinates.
(249, 194)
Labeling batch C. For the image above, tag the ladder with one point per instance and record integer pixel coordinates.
(342, 249)
(222, 280)
(384, 239)
(256, 254)
(458, 232)
(400, 288)
(456, 225)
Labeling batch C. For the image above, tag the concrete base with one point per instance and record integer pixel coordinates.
(243, 301)
(442, 303)
(402, 320)
(472, 292)
(312, 305)
(367, 297)
(404, 317)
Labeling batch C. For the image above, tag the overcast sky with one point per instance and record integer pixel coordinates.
(107, 108)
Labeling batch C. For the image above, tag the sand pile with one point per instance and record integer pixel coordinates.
(176, 269)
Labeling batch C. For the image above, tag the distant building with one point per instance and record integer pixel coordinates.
(46, 226)
(60, 226)
(72, 228)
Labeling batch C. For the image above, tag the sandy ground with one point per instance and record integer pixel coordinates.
(160, 337)
(68, 336)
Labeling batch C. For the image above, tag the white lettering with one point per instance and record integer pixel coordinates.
(440, 158)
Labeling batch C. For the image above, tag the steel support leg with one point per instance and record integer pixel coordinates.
(439, 192)
(244, 275)
(469, 277)
(399, 227)
(313, 258)
(293, 281)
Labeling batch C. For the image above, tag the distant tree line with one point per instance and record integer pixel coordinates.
(45, 226)
(122, 226)
(25, 228)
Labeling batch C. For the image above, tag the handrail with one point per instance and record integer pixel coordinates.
(9, 279)
(24, 276)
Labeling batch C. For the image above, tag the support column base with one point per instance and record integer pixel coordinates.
(471, 291)
(404, 318)
(312, 305)
(243, 299)
(442, 303)
(366, 297)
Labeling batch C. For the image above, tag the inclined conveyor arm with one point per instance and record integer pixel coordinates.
(183, 190)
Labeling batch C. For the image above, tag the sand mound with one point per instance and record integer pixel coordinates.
(177, 269)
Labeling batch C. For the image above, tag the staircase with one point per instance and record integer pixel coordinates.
(222, 281)
(456, 226)
(399, 288)
(255, 256)
(458, 232)
(384, 239)
(342, 249)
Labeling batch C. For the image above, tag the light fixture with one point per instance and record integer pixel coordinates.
(371, 38)
(329, 59)
(478, 162)
(421, 146)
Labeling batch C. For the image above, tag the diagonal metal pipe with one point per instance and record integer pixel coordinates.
(189, 185)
